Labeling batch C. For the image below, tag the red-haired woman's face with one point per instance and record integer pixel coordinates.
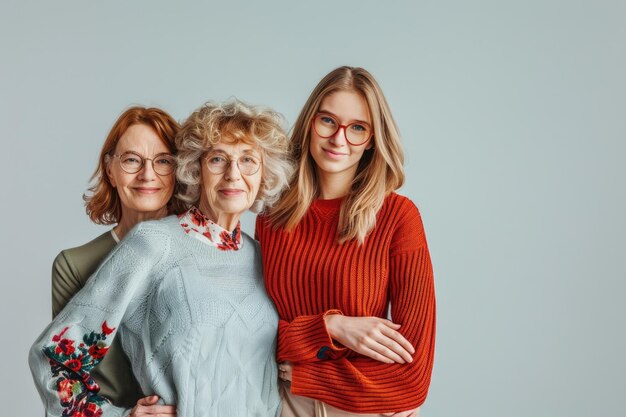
(144, 193)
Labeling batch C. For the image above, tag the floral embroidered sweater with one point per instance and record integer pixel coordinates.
(70, 271)
(308, 275)
(187, 300)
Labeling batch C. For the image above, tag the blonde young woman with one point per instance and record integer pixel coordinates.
(134, 181)
(338, 249)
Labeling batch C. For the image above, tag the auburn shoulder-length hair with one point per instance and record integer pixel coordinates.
(102, 202)
(380, 170)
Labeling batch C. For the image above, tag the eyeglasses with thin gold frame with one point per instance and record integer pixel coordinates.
(219, 162)
(131, 162)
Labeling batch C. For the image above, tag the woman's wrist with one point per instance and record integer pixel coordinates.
(331, 321)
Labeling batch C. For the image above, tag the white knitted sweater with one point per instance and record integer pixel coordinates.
(194, 320)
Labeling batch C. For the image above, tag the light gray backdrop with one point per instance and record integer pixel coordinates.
(513, 120)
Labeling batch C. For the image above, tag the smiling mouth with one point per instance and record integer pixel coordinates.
(144, 190)
(333, 154)
(231, 192)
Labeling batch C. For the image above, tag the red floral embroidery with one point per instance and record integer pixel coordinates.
(65, 389)
(58, 337)
(208, 236)
(229, 241)
(90, 410)
(106, 329)
(76, 389)
(98, 351)
(197, 217)
(65, 346)
(74, 364)
(208, 231)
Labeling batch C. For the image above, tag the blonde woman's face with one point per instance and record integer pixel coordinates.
(144, 192)
(335, 158)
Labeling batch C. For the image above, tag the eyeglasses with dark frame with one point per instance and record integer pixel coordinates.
(219, 162)
(327, 125)
(131, 162)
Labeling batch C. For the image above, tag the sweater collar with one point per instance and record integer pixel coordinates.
(197, 225)
(327, 209)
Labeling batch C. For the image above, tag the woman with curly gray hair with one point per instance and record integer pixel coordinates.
(185, 294)
(212, 128)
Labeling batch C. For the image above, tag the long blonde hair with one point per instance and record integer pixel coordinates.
(380, 170)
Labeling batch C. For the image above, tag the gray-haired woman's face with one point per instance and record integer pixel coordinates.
(225, 196)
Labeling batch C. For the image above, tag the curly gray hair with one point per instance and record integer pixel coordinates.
(238, 122)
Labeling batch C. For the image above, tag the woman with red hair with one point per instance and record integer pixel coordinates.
(134, 181)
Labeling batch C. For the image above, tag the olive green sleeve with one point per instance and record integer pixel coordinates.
(72, 267)
(66, 282)
(70, 271)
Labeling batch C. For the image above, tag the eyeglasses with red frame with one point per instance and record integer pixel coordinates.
(356, 133)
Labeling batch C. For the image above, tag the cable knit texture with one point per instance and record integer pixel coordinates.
(194, 320)
(70, 271)
(308, 275)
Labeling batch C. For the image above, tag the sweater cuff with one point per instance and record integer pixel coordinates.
(306, 339)
(332, 350)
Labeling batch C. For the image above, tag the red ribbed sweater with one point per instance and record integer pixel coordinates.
(308, 274)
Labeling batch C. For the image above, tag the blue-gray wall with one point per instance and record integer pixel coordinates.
(513, 119)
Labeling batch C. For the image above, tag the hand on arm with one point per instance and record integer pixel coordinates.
(311, 338)
(284, 371)
(374, 337)
(148, 406)
(64, 355)
(306, 339)
(412, 298)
